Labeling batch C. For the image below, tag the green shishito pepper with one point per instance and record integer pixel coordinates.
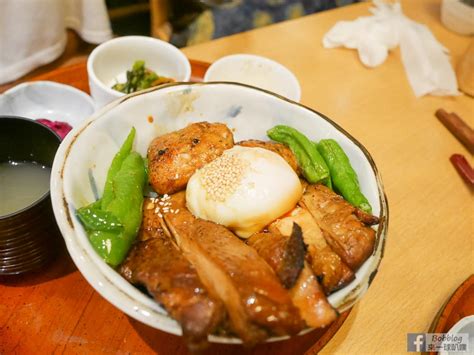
(113, 221)
(312, 164)
(343, 175)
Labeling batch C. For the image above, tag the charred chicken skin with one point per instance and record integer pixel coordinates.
(175, 156)
(286, 255)
(257, 304)
(328, 267)
(156, 263)
(347, 235)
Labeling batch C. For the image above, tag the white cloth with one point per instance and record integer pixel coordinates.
(425, 60)
(33, 32)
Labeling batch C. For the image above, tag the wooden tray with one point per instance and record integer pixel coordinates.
(54, 310)
(76, 75)
(458, 306)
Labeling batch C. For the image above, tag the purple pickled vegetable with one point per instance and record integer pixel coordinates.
(61, 128)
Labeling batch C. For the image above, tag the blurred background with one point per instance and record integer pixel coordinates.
(189, 22)
(76, 27)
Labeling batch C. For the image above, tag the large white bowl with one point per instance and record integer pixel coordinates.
(109, 62)
(81, 164)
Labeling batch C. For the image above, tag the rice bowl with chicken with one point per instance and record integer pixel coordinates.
(80, 171)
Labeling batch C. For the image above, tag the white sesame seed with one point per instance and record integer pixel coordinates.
(221, 177)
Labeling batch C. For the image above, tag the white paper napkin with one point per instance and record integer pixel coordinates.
(425, 60)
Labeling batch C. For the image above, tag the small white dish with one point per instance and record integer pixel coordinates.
(458, 17)
(257, 71)
(109, 62)
(47, 99)
(463, 326)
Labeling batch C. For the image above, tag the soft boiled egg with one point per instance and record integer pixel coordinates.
(244, 189)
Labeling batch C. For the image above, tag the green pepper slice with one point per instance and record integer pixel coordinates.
(343, 175)
(312, 164)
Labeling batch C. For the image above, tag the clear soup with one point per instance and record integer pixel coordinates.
(21, 184)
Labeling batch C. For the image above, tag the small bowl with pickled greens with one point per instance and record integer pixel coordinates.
(128, 64)
(28, 232)
(140, 78)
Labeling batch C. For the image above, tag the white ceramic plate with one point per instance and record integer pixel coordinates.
(463, 326)
(81, 164)
(47, 99)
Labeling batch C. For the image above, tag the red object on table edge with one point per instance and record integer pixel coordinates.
(463, 168)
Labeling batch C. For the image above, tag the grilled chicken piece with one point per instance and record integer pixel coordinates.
(284, 254)
(175, 156)
(309, 297)
(156, 263)
(328, 267)
(366, 218)
(232, 271)
(305, 291)
(278, 148)
(152, 225)
(345, 233)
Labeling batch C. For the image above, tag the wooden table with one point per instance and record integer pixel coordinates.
(430, 243)
(430, 247)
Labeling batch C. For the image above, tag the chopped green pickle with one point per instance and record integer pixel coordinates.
(140, 78)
